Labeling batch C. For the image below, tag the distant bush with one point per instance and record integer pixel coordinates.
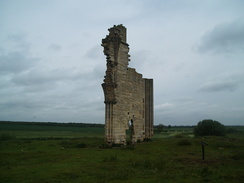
(81, 145)
(232, 130)
(209, 127)
(159, 128)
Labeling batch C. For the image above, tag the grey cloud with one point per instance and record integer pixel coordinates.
(54, 47)
(38, 80)
(23, 102)
(99, 71)
(18, 42)
(164, 106)
(216, 86)
(16, 57)
(186, 100)
(144, 61)
(179, 66)
(223, 38)
(15, 62)
(39, 77)
(223, 84)
(94, 52)
(51, 99)
(185, 108)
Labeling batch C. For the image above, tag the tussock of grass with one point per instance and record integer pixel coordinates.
(184, 142)
(7, 136)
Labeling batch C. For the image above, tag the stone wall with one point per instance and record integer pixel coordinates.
(128, 96)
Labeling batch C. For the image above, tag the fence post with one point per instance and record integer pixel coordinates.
(203, 150)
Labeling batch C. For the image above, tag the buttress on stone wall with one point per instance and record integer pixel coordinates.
(128, 96)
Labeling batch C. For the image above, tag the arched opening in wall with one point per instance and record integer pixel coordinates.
(130, 132)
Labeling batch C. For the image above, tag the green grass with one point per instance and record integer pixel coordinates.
(75, 156)
(42, 130)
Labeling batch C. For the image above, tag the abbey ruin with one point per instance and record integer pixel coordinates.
(128, 96)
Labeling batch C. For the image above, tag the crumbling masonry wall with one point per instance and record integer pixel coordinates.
(128, 96)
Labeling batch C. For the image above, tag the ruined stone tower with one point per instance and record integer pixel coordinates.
(128, 96)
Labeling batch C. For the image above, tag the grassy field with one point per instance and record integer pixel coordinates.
(52, 154)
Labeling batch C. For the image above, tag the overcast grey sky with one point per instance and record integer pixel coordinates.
(52, 64)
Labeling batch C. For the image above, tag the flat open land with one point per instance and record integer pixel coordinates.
(53, 153)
